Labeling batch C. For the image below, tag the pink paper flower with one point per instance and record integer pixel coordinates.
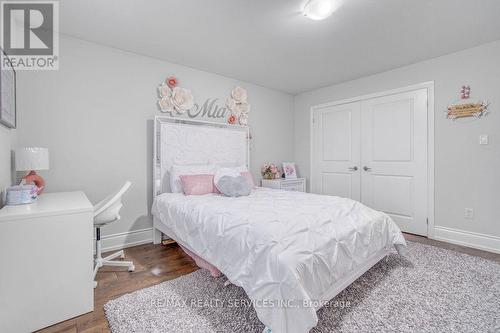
(171, 81)
(232, 119)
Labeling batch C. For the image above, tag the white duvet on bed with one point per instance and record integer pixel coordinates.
(282, 247)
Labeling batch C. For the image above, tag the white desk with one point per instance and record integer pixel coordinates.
(46, 261)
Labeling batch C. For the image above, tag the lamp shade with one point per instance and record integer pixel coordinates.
(32, 159)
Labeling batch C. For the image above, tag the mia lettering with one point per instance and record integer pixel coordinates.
(209, 109)
(178, 101)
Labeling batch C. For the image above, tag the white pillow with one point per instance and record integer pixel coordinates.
(194, 169)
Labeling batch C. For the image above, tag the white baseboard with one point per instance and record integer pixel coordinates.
(467, 238)
(126, 239)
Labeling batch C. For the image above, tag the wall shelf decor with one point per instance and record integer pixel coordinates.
(465, 107)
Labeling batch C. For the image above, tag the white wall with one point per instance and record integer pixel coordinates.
(466, 174)
(5, 165)
(95, 116)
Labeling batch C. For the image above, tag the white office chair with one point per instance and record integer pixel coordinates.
(108, 211)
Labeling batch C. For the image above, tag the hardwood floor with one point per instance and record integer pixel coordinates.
(157, 263)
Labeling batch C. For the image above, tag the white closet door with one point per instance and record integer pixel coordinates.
(394, 158)
(336, 151)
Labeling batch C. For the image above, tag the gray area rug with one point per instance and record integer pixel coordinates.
(432, 290)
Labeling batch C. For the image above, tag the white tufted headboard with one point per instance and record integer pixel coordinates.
(185, 141)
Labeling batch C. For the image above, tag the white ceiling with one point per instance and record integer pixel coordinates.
(268, 42)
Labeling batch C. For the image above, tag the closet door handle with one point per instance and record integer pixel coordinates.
(354, 168)
(367, 169)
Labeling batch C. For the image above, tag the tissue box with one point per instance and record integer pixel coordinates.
(21, 195)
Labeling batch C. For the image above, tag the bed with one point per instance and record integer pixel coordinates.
(290, 251)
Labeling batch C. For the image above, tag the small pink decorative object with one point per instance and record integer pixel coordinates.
(248, 177)
(171, 81)
(33, 178)
(198, 184)
(289, 170)
(270, 171)
(232, 119)
(465, 92)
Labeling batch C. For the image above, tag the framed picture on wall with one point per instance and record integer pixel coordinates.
(7, 92)
(289, 170)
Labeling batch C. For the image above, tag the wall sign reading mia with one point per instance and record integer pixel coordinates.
(209, 109)
(179, 101)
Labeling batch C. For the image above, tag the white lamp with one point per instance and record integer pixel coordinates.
(320, 9)
(31, 159)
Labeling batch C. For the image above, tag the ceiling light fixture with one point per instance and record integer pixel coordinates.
(320, 9)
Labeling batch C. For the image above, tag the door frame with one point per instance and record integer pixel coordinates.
(429, 85)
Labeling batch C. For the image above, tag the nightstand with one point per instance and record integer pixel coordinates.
(298, 184)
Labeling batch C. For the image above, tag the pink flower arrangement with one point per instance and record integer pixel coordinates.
(171, 82)
(270, 171)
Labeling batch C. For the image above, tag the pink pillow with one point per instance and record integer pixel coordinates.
(197, 184)
(248, 176)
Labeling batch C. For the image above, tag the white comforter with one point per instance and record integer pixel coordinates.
(281, 247)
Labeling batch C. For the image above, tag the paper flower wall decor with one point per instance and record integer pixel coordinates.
(465, 92)
(173, 98)
(466, 107)
(171, 81)
(238, 106)
(232, 119)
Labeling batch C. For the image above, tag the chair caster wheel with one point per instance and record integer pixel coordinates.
(131, 268)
